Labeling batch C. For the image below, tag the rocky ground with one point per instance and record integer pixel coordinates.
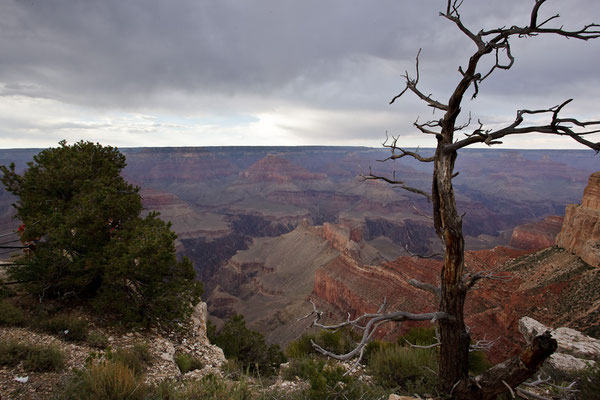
(17, 383)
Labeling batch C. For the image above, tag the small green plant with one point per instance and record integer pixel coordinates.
(209, 387)
(143, 351)
(64, 326)
(339, 341)
(409, 368)
(328, 381)
(187, 363)
(419, 336)
(588, 383)
(35, 358)
(136, 357)
(248, 347)
(12, 352)
(108, 379)
(372, 347)
(478, 362)
(97, 339)
(10, 314)
(44, 359)
(301, 347)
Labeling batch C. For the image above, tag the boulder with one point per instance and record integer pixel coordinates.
(575, 350)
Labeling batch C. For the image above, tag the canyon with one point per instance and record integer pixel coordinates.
(269, 228)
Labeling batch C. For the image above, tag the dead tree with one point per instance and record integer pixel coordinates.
(454, 336)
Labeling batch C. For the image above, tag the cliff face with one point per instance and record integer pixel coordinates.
(550, 285)
(536, 235)
(273, 168)
(355, 289)
(580, 233)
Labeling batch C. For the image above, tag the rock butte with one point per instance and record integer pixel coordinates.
(580, 233)
(536, 235)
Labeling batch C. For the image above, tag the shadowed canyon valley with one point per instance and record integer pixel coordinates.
(269, 228)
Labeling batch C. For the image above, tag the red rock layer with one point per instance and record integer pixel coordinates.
(536, 235)
(491, 312)
(580, 233)
(356, 289)
(273, 168)
(153, 199)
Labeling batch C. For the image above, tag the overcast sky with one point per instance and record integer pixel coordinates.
(270, 72)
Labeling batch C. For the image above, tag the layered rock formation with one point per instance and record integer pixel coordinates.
(536, 235)
(273, 168)
(580, 233)
(551, 285)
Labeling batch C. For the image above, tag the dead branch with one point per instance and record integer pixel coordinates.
(411, 84)
(470, 279)
(539, 381)
(368, 323)
(531, 395)
(424, 128)
(436, 290)
(483, 344)
(393, 181)
(418, 212)
(403, 153)
(421, 256)
(556, 126)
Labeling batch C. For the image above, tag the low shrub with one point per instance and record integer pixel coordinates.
(143, 351)
(303, 368)
(478, 362)
(328, 381)
(12, 352)
(301, 347)
(372, 347)
(136, 357)
(187, 363)
(6, 291)
(44, 359)
(35, 358)
(410, 369)
(67, 327)
(108, 379)
(418, 335)
(248, 347)
(340, 341)
(11, 314)
(209, 387)
(97, 339)
(588, 383)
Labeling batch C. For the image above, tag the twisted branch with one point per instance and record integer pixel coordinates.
(368, 323)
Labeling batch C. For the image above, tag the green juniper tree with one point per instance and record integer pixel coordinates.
(87, 239)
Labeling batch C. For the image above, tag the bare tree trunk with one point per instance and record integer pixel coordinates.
(455, 340)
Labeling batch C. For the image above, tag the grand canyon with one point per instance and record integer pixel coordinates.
(270, 228)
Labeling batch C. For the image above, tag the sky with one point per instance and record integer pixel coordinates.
(133, 73)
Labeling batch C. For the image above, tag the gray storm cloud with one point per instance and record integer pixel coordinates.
(231, 56)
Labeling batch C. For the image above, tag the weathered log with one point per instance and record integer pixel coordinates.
(509, 373)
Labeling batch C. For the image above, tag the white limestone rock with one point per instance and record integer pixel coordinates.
(575, 351)
(566, 362)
